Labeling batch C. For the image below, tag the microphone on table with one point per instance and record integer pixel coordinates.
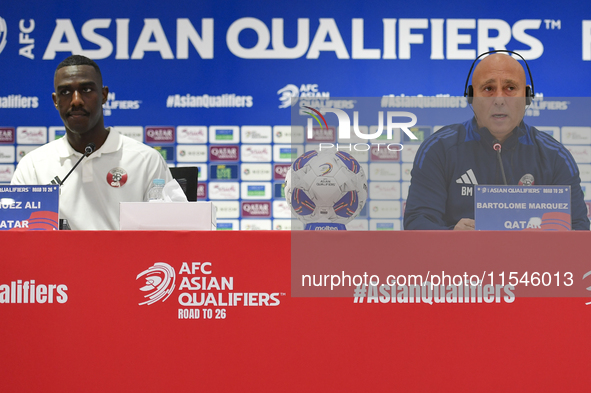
(497, 147)
(88, 150)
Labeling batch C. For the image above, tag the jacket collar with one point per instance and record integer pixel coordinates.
(487, 138)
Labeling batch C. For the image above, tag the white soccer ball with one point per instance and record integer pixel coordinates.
(326, 187)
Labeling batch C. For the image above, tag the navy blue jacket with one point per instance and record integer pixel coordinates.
(438, 200)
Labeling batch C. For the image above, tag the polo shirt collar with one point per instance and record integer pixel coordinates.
(112, 144)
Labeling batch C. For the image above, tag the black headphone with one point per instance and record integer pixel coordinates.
(529, 91)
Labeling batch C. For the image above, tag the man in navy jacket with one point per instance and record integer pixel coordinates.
(459, 156)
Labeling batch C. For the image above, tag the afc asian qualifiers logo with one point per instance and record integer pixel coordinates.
(160, 281)
(286, 94)
(117, 177)
(3, 32)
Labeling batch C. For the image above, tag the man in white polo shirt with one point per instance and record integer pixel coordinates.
(119, 170)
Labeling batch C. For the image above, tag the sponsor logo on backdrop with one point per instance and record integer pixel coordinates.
(576, 135)
(281, 209)
(384, 226)
(31, 135)
(256, 153)
(223, 172)
(223, 153)
(384, 190)
(133, 132)
(585, 172)
(282, 225)
(292, 91)
(550, 130)
(167, 152)
(29, 291)
(256, 225)
(256, 134)
(256, 209)
(191, 134)
(581, 154)
(384, 209)
(286, 153)
(385, 172)
(114, 104)
(279, 190)
(409, 152)
(256, 172)
(191, 153)
(155, 134)
(23, 150)
(224, 134)
(230, 209)
(224, 190)
(6, 172)
(406, 171)
(3, 32)
(322, 134)
(288, 134)
(201, 171)
(381, 153)
(256, 190)
(7, 135)
(280, 171)
(228, 225)
(201, 191)
(206, 101)
(157, 282)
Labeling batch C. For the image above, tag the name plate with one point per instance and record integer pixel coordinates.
(519, 208)
(29, 208)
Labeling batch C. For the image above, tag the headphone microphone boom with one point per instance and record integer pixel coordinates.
(529, 91)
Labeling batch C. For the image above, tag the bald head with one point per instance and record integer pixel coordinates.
(499, 94)
(500, 67)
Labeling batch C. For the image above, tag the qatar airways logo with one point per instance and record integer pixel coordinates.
(159, 282)
(6, 135)
(280, 171)
(223, 153)
(256, 209)
(160, 134)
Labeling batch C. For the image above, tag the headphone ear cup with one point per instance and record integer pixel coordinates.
(528, 95)
(470, 94)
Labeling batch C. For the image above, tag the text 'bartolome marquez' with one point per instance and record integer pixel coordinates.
(522, 205)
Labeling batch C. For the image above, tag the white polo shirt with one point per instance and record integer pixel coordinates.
(122, 170)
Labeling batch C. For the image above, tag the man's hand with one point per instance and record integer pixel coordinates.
(465, 224)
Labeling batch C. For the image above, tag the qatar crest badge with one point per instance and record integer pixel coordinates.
(117, 177)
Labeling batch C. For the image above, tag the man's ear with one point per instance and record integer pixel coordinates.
(54, 98)
(105, 94)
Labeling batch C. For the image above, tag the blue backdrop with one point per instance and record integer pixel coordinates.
(225, 63)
